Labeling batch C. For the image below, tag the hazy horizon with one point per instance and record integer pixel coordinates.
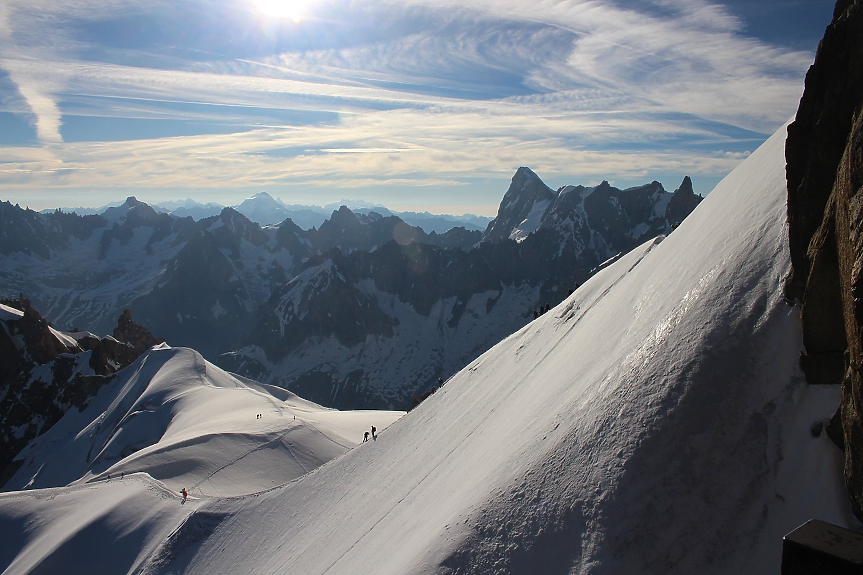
(489, 211)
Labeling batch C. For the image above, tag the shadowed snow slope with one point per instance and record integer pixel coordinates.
(655, 422)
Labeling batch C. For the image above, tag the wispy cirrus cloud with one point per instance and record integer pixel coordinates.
(400, 93)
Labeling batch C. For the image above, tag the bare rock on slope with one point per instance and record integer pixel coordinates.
(824, 154)
(138, 336)
(45, 373)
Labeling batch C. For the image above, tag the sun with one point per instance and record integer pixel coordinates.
(292, 9)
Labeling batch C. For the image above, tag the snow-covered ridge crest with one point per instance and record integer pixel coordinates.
(185, 422)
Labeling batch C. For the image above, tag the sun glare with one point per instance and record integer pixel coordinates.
(292, 9)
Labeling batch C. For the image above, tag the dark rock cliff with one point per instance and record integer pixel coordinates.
(824, 154)
(525, 192)
(44, 373)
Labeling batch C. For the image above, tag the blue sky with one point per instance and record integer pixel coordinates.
(414, 104)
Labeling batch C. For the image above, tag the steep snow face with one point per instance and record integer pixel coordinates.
(531, 223)
(184, 421)
(655, 422)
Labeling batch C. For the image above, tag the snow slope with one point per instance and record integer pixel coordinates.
(186, 422)
(655, 422)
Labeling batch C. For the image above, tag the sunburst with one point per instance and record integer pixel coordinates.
(283, 9)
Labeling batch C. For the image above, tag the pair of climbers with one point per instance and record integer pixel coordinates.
(374, 436)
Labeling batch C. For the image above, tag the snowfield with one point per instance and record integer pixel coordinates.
(187, 423)
(656, 421)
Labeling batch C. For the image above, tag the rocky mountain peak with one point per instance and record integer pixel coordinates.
(683, 201)
(76, 364)
(574, 215)
(242, 227)
(41, 343)
(525, 200)
(603, 186)
(343, 212)
(343, 220)
(139, 337)
(685, 186)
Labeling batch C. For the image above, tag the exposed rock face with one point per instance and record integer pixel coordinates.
(526, 193)
(138, 336)
(33, 233)
(602, 219)
(682, 202)
(824, 154)
(44, 373)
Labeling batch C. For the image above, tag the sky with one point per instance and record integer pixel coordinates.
(413, 104)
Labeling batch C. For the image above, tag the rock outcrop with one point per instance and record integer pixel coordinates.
(824, 154)
(44, 373)
(138, 336)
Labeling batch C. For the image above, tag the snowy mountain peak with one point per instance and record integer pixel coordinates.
(117, 214)
(265, 198)
(263, 209)
(579, 218)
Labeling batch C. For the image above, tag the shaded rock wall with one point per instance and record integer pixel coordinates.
(43, 376)
(824, 154)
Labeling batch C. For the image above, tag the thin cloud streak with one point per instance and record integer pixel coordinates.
(472, 89)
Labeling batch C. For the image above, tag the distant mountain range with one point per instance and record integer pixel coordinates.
(265, 210)
(364, 311)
